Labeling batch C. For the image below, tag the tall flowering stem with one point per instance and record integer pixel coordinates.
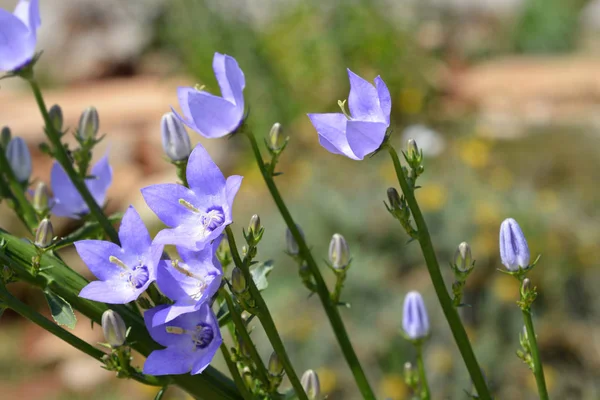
(66, 283)
(321, 287)
(456, 326)
(62, 157)
(265, 317)
(235, 373)
(425, 393)
(538, 369)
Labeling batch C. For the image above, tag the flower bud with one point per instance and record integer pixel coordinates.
(114, 328)
(5, 137)
(526, 285)
(44, 234)
(339, 254)
(254, 226)
(238, 281)
(89, 123)
(514, 251)
(175, 139)
(412, 150)
(56, 117)
(275, 365)
(19, 158)
(462, 257)
(292, 246)
(275, 141)
(310, 384)
(40, 198)
(415, 321)
(394, 198)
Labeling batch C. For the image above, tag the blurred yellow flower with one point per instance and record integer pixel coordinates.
(411, 100)
(327, 379)
(506, 288)
(475, 152)
(432, 197)
(439, 359)
(487, 213)
(501, 178)
(392, 387)
(547, 201)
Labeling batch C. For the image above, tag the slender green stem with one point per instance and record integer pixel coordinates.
(264, 315)
(456, 326)
(27, 212)
(62, 157)
(235, 374)
(538, 369)
(330, 307)
(425, 394)
(245, 336)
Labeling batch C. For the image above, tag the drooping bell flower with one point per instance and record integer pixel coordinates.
(362, 130)
(123, 272)
(18, 34)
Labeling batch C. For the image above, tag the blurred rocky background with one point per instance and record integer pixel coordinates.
(503, 96)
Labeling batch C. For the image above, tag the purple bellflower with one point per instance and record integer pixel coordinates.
(19, 158)
(124, 272)
(514, 251)
(191, 341)
(199, 214)
(213, 116)
(415, 321)
(18, 35)
(67, 201)
(362, 130)
(189, 282)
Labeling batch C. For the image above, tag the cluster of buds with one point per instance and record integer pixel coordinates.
(399, 209)
(528, 294)
(525, 352)
(414, 158)
(254, 233)
(462, 265)
(87, 137)
(411, 377)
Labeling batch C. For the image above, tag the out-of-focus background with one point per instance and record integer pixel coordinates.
(502, 95)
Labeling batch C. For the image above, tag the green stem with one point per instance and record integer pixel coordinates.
(245, 336)
(235, 374)
(62, 157)
(27, 212)
(538, 369)
(456, 326)
(425, 394)
(266, 320)
(63, 281)
(330, 307)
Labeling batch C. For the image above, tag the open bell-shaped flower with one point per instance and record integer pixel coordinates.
(18, 34)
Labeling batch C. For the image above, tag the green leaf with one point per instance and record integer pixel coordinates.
(260, 273)
(61, 310)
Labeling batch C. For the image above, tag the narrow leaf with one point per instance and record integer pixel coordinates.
(61, 310)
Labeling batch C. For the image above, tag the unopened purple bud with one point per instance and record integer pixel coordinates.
(175, 139)
(514, 251)
(415, 321)
(339, 253)
(19, 158)
(114, 328)
(89, 124)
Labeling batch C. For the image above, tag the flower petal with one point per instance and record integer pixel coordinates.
(363, 100)
(170, 313)
(183, 95)
(186, 235)
(203, 175)
(111, 292)
(385, 100)
(65, 192)
(232, 185)
(171, 361)
(164, 201)
(159, 332)
(96, 253)
(332, 133)
(133, 234)
(231, 79)
(365, 137)
(213, 116)
(102, 178)
(205, 356)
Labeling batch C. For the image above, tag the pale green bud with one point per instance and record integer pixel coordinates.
(310, 384)
(40, 197)
(56, 117)
(238, 281)
(89, 124)
(275, 365)
(114, 329)
(339, 253)
(394, 199)
(44, 234)
(412, 149)
(254, 226)
(5, 137)
(462, 257)
(291, 244)
(275, 140)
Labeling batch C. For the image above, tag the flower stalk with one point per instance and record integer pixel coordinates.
(456, 326)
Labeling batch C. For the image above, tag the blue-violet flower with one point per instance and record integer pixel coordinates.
(213, 116)
(362, 131)
(189, 282)
(514, 251)
(18, 34)
(67, 201)
(124, 272)
(19, 158)
(199, 214)
(415, 321)
(191, 341)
